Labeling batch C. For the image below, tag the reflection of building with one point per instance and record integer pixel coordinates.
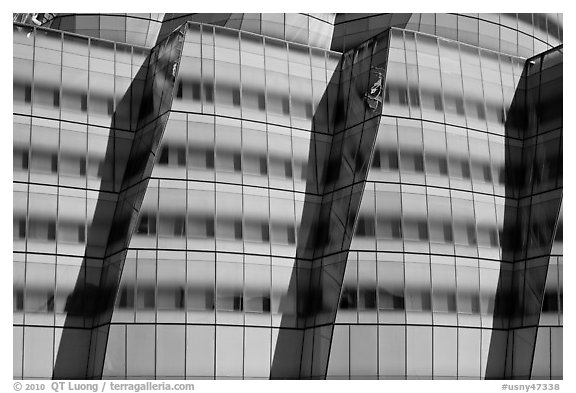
(235, 196)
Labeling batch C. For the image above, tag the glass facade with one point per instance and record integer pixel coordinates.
(136, 28)
(513, 34)
(443, 231)
(219, 196)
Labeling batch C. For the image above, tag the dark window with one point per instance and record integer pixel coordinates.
(502, 175)
(210, 158)
(459, 106)
(423, 230)
(291, 236)
(238, 230)
(44, 230)
(236, 97)
(403, 97)
(550, 302)
(209, 299)
(471, 232)
(163, 156)
(419, 162)
(179, 227)
(179, 90)
(392, 159)
(54, 163)
(501, 114)
(443, 165)
(414, 97)
(263, 165)
(196, 91)
(210, 227)
(81, 234)
(179, 298)
(448, 237)
(149, 298)
(398, 302)
(465, 169)
(389, 301)
(481, 111)
(285, 106)
(126, 297)
(365, 227)
(83, 102)
(385, 159)
(18, 299)
(261, 101)
(237, 162)
(181, 156)
(304, 172)
(376, 159)
(21, 228)
(288, 169)
(237, 303)
(493, 237)
(22, 92)
(426, 300)
(451, 302)
(51, 230)
(308, 108)
(266, 304)
(25, 159)
(265, 232)
(82, 166)
(475, 300)
(438, 102)
(147, 225)
(396, 228)
(360, 229)
(56, 94)
(348, 299)
(369, 297)
(209, 92)
(27, 93)
(487, 173)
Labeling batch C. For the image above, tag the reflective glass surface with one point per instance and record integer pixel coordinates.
(230, 199)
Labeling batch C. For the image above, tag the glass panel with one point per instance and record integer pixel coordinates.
(200, 351)
(388, 220)
(145, 290)
(171, 273)
(419, 352)
(257, 353)
(418, 297)
(363, 351)
(38, 352)
(201, 270)
(391, 289)
(339, 363)
(229, 284)
(140, 351)
(170, 351)
(257, 289)
(392, 352)
(229, 351)
(469, 353)
(445, 360)
(229, 216)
